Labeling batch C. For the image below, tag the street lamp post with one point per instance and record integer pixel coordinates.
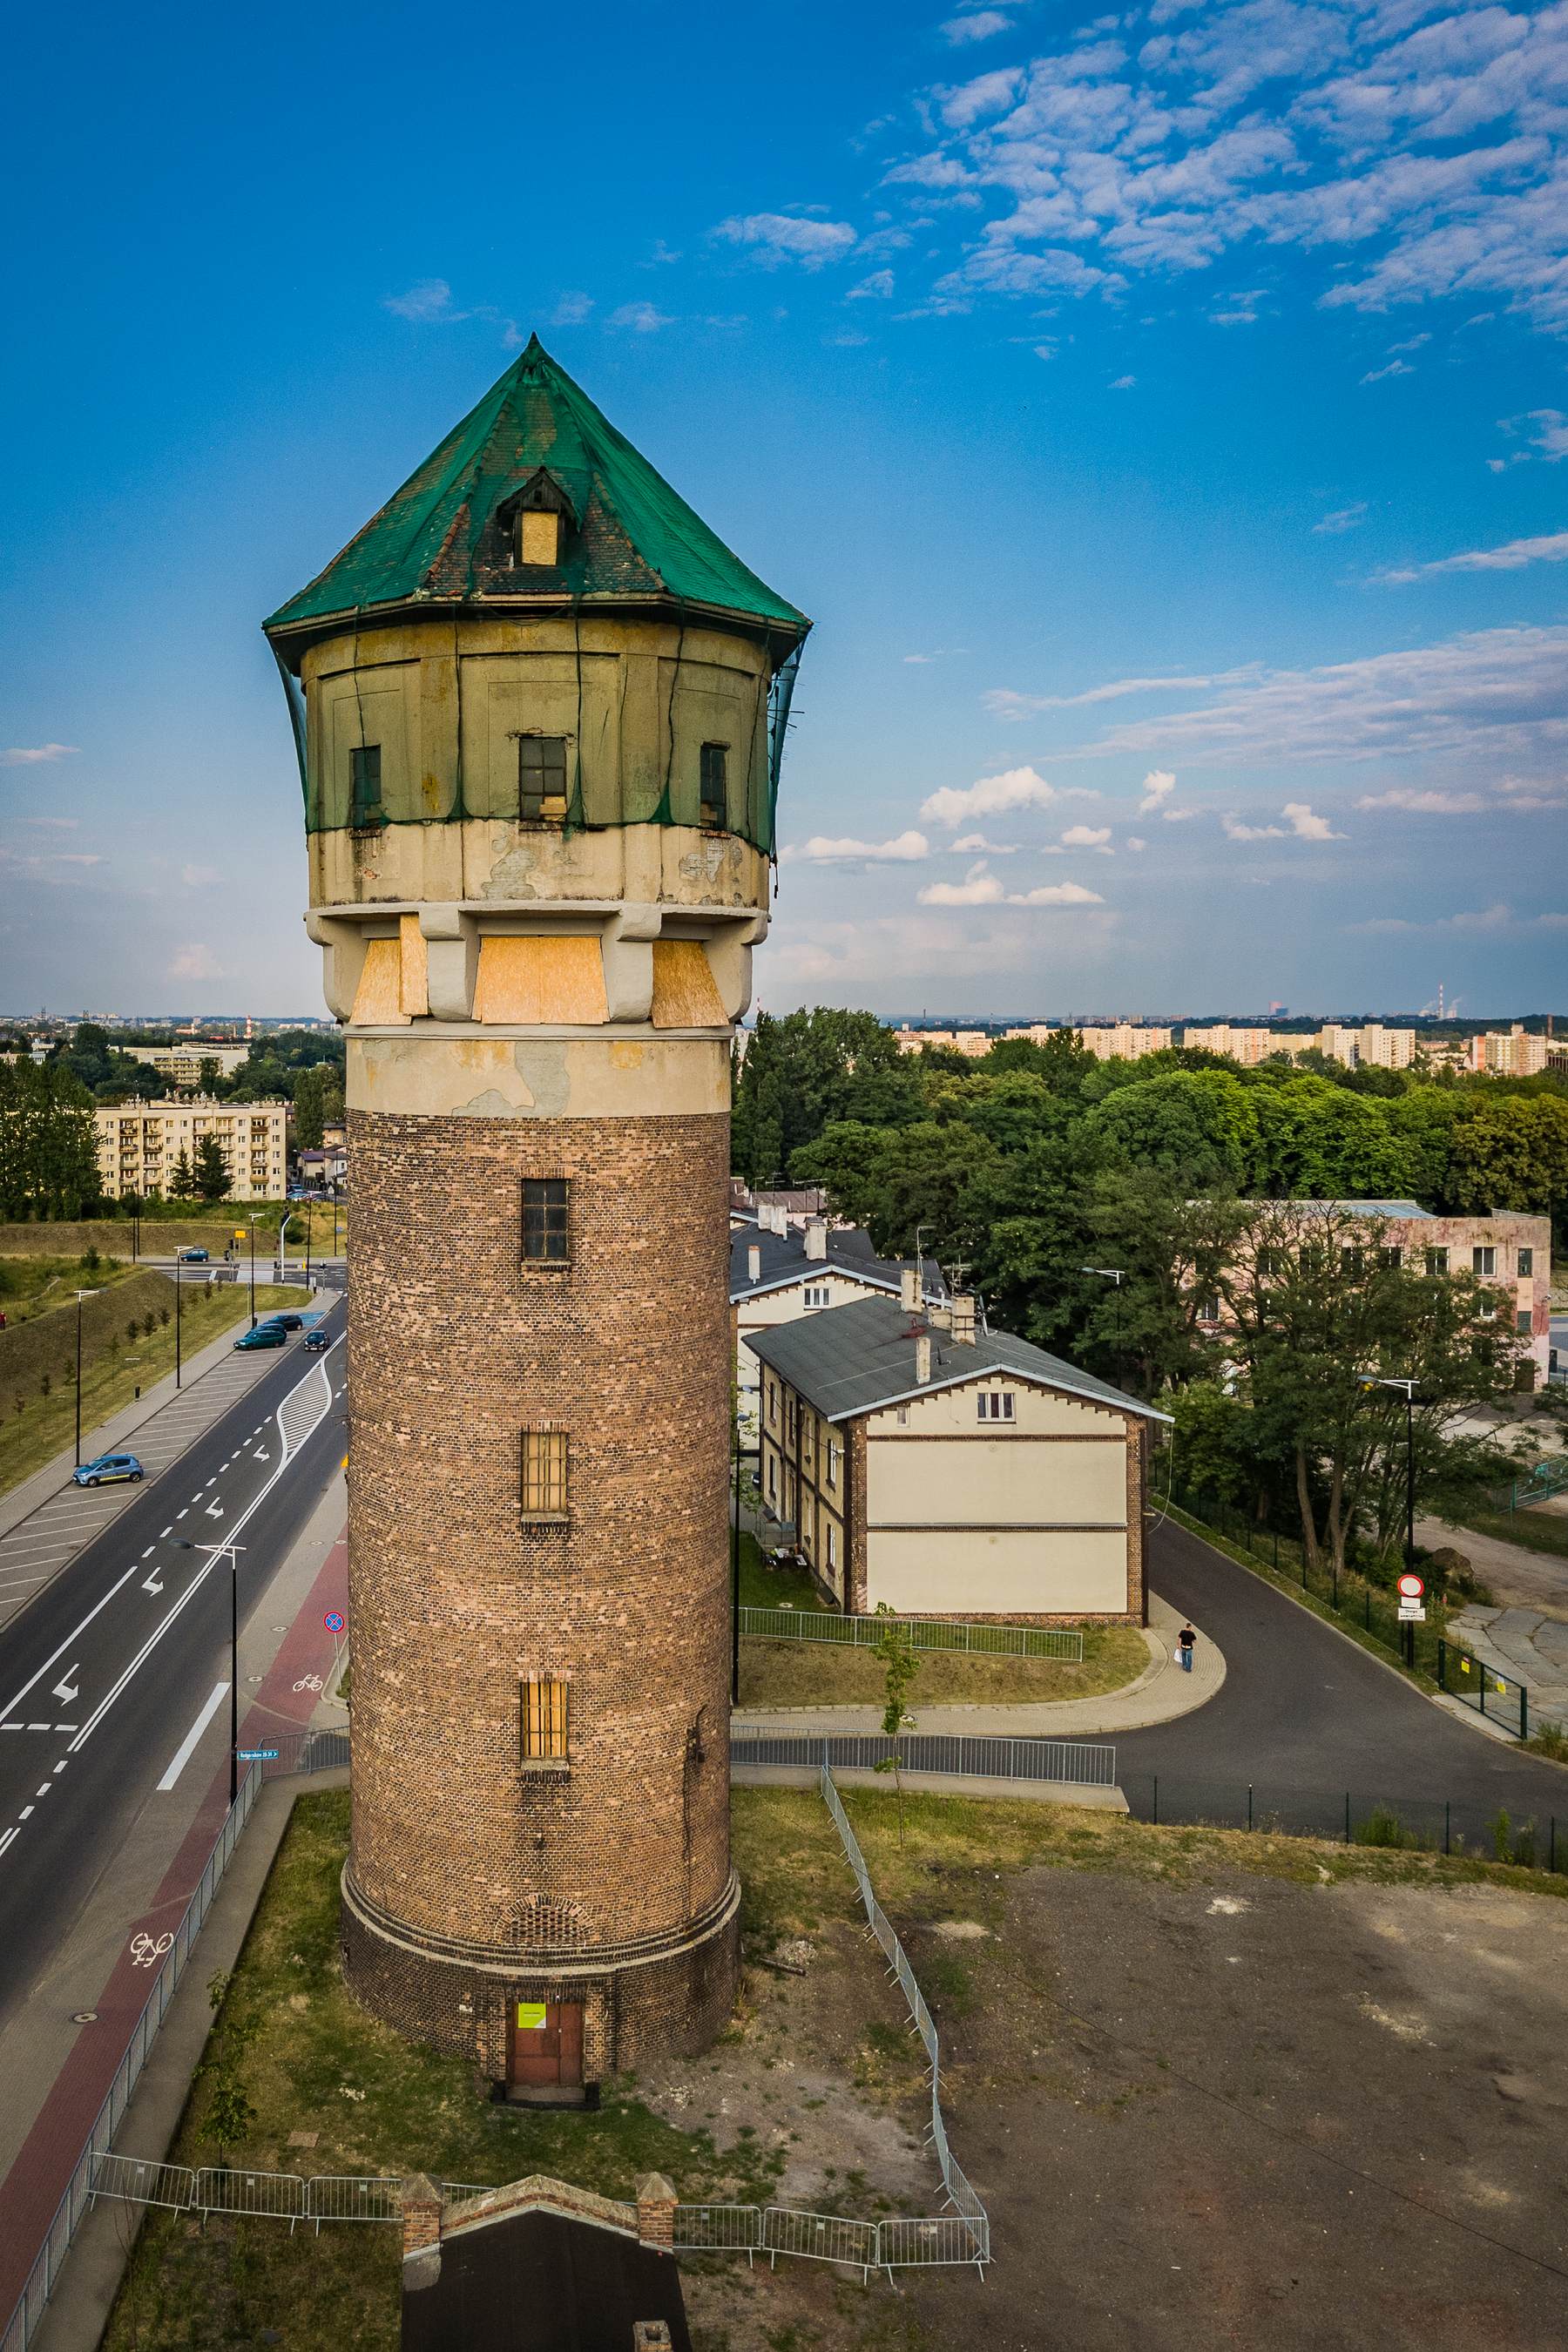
(79, 1296)
(735, 1553)
(179, 1269)
(1407, 1389)
(254, 1221)
(229, 1551)
(1117, 1274)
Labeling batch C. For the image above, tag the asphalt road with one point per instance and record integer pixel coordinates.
(108, 1672)
(1306, 1716)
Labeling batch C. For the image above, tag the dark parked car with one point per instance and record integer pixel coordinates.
(317, 1343)
(266, 1335)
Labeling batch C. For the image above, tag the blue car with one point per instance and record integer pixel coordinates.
(107, 1468)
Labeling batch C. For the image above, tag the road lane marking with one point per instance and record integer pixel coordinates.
(45, 1790)
(183, 1754)
(167, 1531)
(25, 1813)
(180, 1515)
(5, 1841)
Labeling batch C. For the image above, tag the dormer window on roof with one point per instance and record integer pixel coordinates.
(538, 518)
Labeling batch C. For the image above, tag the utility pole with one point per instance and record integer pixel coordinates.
(79, 1296)
(1407, 1389)
(229, 1551)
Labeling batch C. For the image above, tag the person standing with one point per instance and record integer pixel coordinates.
(1185, 1640)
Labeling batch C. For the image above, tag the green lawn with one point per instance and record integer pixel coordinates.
(33, 1285)
(769, 1587)
(822, 1674)
(1533, 1529)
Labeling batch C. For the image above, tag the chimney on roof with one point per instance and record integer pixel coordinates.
(909, 1290)
(963, 1318)
(753, 1264)
(816, 1238)
(922, 1359)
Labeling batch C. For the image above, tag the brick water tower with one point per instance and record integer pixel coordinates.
(539, 707)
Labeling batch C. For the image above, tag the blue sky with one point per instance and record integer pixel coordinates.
(1160, 413)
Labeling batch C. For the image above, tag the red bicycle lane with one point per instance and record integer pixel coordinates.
(284, 1702)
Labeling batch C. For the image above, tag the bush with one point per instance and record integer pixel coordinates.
(1382, 1826)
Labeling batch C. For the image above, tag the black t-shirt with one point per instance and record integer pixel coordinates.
(1186, 1638)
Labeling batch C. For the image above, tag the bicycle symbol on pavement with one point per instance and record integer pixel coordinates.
(146, 1948)
(310, 1682)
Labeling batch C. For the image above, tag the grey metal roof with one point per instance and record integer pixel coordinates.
(851, 1360)
(783, 1260)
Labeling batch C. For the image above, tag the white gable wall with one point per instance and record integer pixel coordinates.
(767, 1309)
(996, 1517)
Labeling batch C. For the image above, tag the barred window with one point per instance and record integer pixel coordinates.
(714, 794)
(364, 784)
(542, 776)
(543, 1472)
(544, 1228)
(544, 1716)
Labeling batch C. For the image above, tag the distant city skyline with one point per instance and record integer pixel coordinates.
(1162, 417)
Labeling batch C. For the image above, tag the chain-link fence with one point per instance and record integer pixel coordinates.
(1481, 1829)
(924, 1633)
(1076, 1763)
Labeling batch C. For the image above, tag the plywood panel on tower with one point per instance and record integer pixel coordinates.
(542, 981)
(413, 966)
(378, 1000)
(684, 995)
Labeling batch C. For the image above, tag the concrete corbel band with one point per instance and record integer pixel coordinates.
(452, 935)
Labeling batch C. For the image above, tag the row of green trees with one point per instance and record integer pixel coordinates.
(49, 1151)
(304, 1066)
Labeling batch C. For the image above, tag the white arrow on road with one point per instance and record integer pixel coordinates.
(67, 1688)
(154, 1584)
(262, 1454)
(214, 1511)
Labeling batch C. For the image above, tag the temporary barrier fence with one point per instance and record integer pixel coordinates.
(1499, 1696)
(924, 1633)
(273, 2196)
(1076, 1763)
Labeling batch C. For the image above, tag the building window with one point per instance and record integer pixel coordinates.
(993, 1404)
(831, 1546)
(1437, 1261)
(540, 776)
(834, 1455)
(544, 1234)
(1523, 1321)
(1527, 1262)
(1483, 1259)
(364, 785)
(773, 1403)
(773, 1478)
(544, 1473)
(1208, 1309)
(903, 1416)
(537, 537)
(715, 791)
(545, 1711)
(1352, 1258)
(816, 1295)
(1391, 1258)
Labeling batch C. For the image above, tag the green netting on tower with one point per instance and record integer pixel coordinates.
(450, 539)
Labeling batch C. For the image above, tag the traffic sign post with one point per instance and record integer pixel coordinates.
(1412, 1610)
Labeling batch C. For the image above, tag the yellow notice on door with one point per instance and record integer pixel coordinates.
(530, 2016)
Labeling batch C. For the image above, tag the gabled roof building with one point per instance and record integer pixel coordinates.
(919, 1460)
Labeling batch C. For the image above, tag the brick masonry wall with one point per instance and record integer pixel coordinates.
(454, 1348)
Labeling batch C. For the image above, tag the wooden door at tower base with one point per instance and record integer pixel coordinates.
(544, 2043)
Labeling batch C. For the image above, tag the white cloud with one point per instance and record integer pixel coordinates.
(195, 962)
(1493, 695)
(959, 31)
(430, 299)
(1393, 367)
(29, 755)
(1179, 815)
(1122, 382)
(571, 309)
(198, 877)
(1546, 430)
(904, 848)
(1003, 702)
(875, 288)
(974, 842)
(1058, 894)
(1512, 556)
(1088, 836)
(1158, 786)
(979, 887)
(1134, 842)
(1427, 804)
(1018, 788)
(1306, 826)
(639, 319)
(776, 238)
(1235, 830)
(1342, 519)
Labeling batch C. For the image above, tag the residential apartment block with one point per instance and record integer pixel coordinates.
(1121, 1041)
(140, 1143)
(1513, 1052)
(182, 1064)
(779, 1275)
(952, 1472)
(1513, 1251)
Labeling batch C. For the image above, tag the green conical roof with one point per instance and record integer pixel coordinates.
(437, 538)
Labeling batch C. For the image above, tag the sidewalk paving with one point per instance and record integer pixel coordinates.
(47, 1519)
(1162, 1693)
(1524, 1633)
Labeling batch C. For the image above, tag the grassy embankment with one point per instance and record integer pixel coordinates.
(117, 1362)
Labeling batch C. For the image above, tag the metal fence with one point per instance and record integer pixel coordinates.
(1496, 1696)
(1473, 1827)
(23, 2324)
(924, 1633)
(1075, 1763)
